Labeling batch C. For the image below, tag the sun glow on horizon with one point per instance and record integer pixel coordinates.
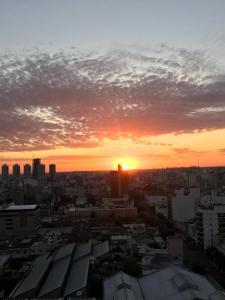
(125, 166)
(127, 163)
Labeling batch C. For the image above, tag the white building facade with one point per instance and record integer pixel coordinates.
(210, 225)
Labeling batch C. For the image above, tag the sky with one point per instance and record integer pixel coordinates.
(87, 84)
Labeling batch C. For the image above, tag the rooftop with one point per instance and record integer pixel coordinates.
(64, 251)
(78, 275)
(62, 272)
(122, 287)
(13, 207)
(175, 282)
(55, 277)
(82, 250)
(100, 249)
(32, 281)
(170, 283)
(3, 260)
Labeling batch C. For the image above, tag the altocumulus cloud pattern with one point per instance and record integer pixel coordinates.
(76, 99)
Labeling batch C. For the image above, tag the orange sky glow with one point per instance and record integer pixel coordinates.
(204, 148)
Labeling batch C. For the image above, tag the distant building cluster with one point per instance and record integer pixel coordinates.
(36, 171)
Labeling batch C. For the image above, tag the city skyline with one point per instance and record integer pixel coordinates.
(97, 84)
(112, 149)
(29, 169)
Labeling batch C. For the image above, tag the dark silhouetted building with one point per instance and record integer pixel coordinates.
(41, 172)
(119, 181)
(27, 171)
(16, 171)
(36, 164)
(52, 171)
(5, 173)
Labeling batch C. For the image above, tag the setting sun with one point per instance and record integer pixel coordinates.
(125, 166)
(127, 163)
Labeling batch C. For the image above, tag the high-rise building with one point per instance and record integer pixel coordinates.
(27, 171)
(5, 173)
(210, 220)
(16, 171)
(52, 171)
(36, 164)
(210, 224)
(119, 181)
(41, 172)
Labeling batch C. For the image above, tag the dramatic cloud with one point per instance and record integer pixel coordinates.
(77, 99)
